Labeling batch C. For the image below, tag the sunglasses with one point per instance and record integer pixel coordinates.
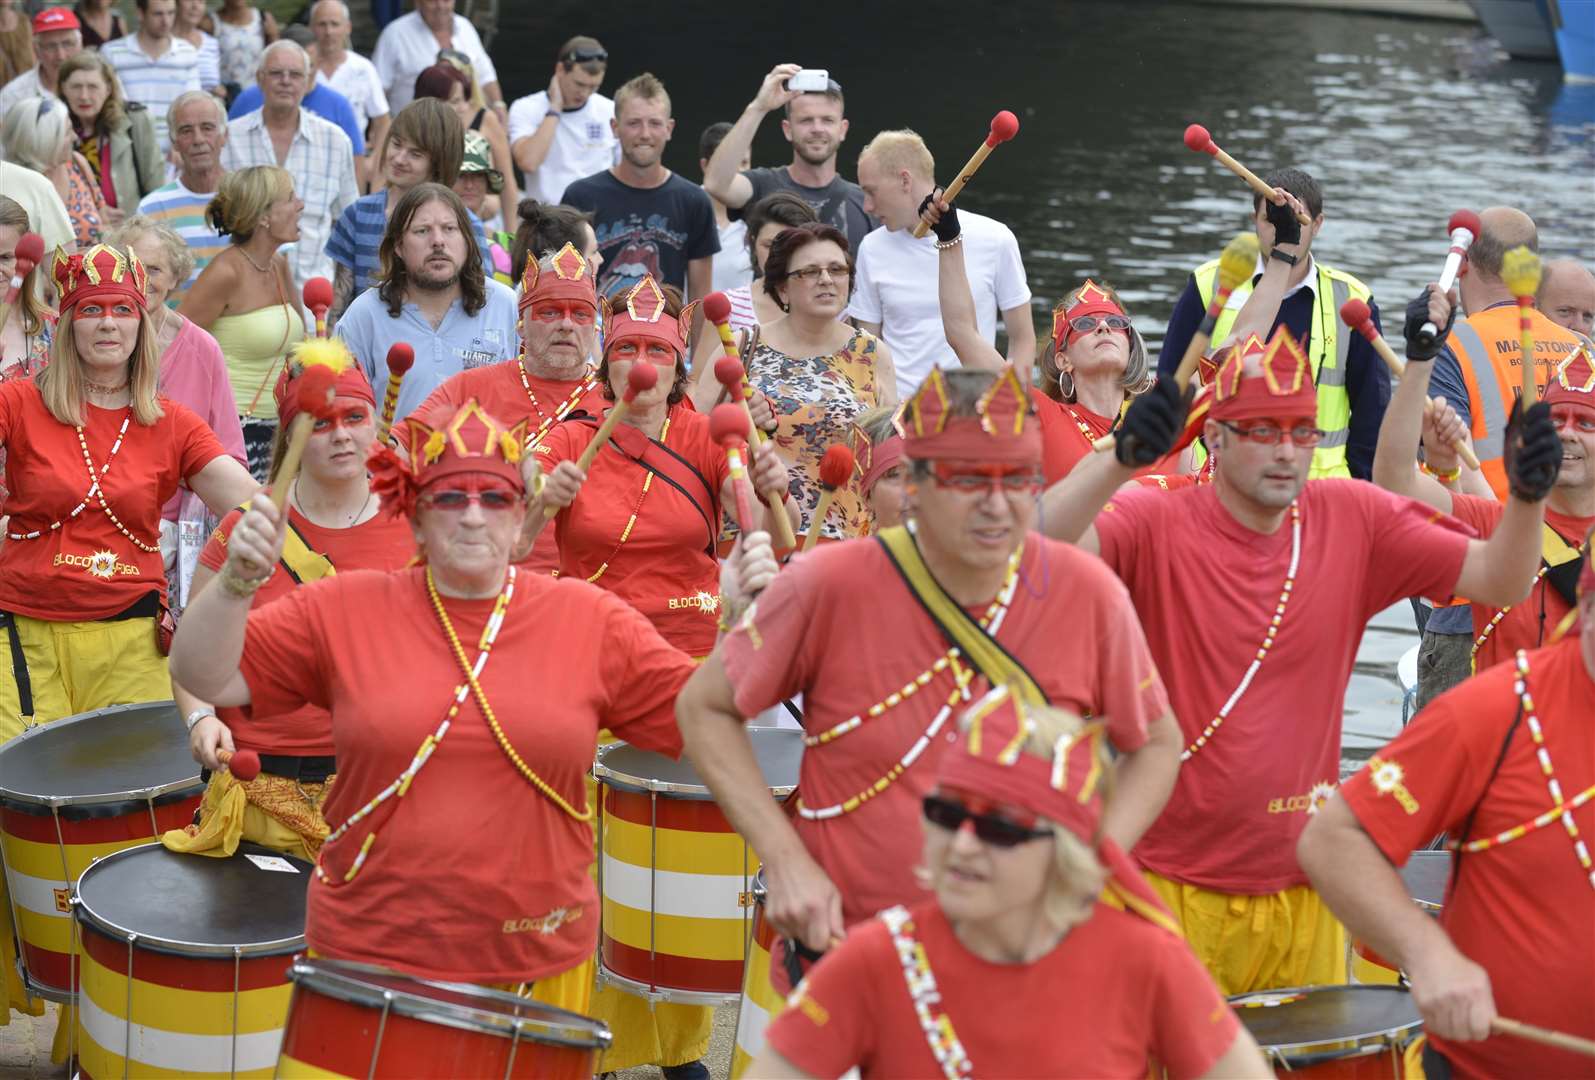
(993, 829)
(456, 502)
(1084, 324)
(1271, 434)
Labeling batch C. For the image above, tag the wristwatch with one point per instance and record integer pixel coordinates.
(196, 716)
(1275, 253)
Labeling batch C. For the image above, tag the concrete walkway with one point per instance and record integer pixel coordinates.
(25, 1046)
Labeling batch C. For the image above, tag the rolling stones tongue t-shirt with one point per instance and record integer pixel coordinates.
(642, 231)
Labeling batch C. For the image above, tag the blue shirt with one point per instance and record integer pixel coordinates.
(357, 234)
(322, 100)
(461, 341)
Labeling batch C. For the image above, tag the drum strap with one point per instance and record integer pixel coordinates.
(302, 562)
(1467, 823)
(1563, 563)
(19, 667)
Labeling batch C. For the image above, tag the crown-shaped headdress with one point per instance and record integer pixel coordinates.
(1004, 429)
(1258, 380)
(447, 441)
(101, 273)
(1091, 299)
(1574, 381)
(645, 318)
(569, 277)
(871, 460)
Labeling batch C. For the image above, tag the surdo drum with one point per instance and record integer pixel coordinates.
(1332, 1032)
(760, 1000)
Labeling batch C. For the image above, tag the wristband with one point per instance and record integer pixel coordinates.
(196, 716)
(1447, 477)
(1283, 257)
(943, 245)
(237, 584)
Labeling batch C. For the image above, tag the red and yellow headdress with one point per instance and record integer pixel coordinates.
(989, 756)
(101, 273)
(320, 352)
(1003, 430)
(449, 441)
(646, 319)
(569, 277)
(1091, 299)
(1257, 380)
(1574, 382)
(873, 461)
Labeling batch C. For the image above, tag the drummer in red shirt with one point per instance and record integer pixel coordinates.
(553, 378)
(335, 524)
(1569, 510)
(1042, 952)
(886, 637)
(1504, 765)
(1256, 589)
(466, 700)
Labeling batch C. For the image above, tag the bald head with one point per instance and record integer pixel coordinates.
(1503, 228)
(1567, 295)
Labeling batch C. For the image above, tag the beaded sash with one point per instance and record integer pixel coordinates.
(937, 1026)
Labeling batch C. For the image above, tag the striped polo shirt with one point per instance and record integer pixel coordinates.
(184, 211)
(358, 234)
(154, 82)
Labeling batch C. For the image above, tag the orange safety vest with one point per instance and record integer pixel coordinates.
(1489, 348)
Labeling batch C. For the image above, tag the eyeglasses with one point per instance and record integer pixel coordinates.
(811, 274)
(586, 56)
(1271, 434)
(1084, 324)
(580, 314)
(456, 502)
(100, 311)
(993, 829)
(980, 479)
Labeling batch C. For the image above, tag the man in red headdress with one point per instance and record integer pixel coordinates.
(1255, 589)
(885, 637)
(1498, 632)
(1504, 765)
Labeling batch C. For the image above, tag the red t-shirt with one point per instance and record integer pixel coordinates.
(1116, 992)
(839, 626)
(499, 390)
(382, 543)
(1523, 910)
(667, 567)
(87, 569)
(475, 875)
(1529, 622)
(1063, 444)
(1206, 588)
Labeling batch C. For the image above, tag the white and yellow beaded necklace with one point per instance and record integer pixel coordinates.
(1495, 620)
(587, 382)
(95, 491)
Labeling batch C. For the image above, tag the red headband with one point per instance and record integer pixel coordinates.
(1574, 382)
(1003, 430)
(872, 461)
(569, 277)
(646, 319)
(466, 440)
(327, 352)
(101, 273)
(1257, 381)
(1092, 299)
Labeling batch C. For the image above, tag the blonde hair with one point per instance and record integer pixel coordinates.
(245, 197)
(61, 382)
(113, 114)
(901, 148)
(646, 86)
(35, 132)
(13, 214)
(1139, 375)
(136, 226)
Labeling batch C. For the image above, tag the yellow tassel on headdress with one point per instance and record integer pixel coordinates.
(328, 352)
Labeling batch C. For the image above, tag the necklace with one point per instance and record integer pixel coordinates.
(96, 388)
(1495, 620)
(1268, 638)
(625, 534)
(584, 386)
(300, 506)
(95, 492)
(263, 269)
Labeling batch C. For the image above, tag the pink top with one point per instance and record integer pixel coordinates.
(194, 373)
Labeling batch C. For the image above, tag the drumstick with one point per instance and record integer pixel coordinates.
(317, 387)
(1545, 1036)
(728, 426)
(1464, 228)
(29, 252)
(243, 764)
(401, 357)
(318, 298)
(1197, 138)
(1356, 314)
(836, 469)
(1004, 126)
(642, 377)
(1520, 271)
(730, 373)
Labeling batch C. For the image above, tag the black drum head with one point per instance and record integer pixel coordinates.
(778, 751)
(108, 752)
(1308, 1016)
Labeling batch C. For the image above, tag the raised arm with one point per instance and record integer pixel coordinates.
(958, 320)
(1501, 570)
(1257, 315)
(722, 178)
(1395, 457)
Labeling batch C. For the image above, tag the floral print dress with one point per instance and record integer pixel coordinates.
(36, 353)
(816, 399)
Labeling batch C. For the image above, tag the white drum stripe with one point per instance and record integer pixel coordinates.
(751, 1022)
(209, 1054)
(697, 896)
(35, 894)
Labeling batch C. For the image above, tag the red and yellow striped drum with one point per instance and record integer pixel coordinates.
(1426, 876)
(675, 878)
(356, 1020)
(184, 961)
(74, 791)
(760, 1001)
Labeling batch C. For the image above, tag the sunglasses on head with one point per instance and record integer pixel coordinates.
(993, 829)
(585, 56)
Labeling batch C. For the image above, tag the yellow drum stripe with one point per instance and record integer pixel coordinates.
(44, 932)
(703, 939)
(189, 1012)
(757, 984)
(44, 860)
(1366, 971)
(295, 1069)
(740, 1060)
(683, 852)
(98, 1061)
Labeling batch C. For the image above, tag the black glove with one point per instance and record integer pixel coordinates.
(1421, 346)
(1533, 452)
(947, 228)
(1153, 423)
(1287, 230)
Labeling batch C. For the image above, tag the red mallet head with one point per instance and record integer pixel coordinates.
(244, 765)
(1004, 126)
(642, 377)
(1197, 138)
(717, 307)
(1465, 219)
(729, 372)
(401, 356)
(318, 296)
(1355, 314)
(30, 252)
(317, 387)
(728, 423)
(836, 466)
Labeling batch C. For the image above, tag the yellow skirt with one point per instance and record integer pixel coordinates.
(1248, 943)
(77, 667)
(273, 811)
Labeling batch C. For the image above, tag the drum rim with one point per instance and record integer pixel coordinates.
(116, 932)
(623, 781)
(135, 797)
(340, 980)
(134, 800)
(1357, 1044)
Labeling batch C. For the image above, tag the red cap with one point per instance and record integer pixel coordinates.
(569, 277)
(56, 18)
(100, 273)
(401, 357)
(244, 765)
(444, 442)
(1004, 429)
(1464, 219)
(1258, 381)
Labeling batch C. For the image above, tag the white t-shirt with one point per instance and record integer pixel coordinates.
(25, 85)
(407, 48)
(583, 144)
(356, 79)
(896, 287)
(732, 266)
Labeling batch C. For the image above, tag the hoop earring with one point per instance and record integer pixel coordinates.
(1067, 392)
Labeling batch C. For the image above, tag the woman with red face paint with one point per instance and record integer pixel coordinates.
(335, 525)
